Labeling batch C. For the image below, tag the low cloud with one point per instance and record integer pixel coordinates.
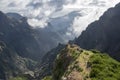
(90, 10)
(39, 12)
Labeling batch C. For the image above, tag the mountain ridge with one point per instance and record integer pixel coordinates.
(74, 63)
(103, 34)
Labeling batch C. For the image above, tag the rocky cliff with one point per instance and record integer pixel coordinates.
(19, 49)
(103, 34)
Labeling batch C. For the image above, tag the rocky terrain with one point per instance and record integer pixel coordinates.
(74, 63)
(19, 49)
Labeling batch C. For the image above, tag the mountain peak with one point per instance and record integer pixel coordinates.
(2, 14)
(14, 15)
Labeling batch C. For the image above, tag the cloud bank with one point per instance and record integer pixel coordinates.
(39, 12)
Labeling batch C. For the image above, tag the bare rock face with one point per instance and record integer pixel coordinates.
(2, 46)
(103, 34)
(19, 35)
(17, 47)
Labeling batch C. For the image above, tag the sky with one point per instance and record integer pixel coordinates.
(39, 12)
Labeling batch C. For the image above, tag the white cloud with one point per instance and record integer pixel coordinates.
(37, 23)
(91, 10)
(39, 11)
(13, 5)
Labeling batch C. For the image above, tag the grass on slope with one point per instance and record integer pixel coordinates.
(103, 67)
(74, 63)
(67, 56)
(47, 78)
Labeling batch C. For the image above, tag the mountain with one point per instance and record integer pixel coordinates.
(25, 46)
(103, 34)
(74, 63)
(100, 35)
(64, 15)
(19, 35)
(14, 16)
(11, 64)
(63, 23)
(19, 50)
(47, 38)
(46, 64)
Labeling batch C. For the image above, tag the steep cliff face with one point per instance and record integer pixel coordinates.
(103, 34)
(25, 46)
(74, 63)
(46, 64)
(47, 38)
(11, 64)
(19, 49)
(19, 35)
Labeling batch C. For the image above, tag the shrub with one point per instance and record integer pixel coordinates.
(95, 51)
(75, 55)
(47, 78)
(104, 68)
(19, 78)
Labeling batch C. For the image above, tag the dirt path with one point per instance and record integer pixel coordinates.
(82, 63)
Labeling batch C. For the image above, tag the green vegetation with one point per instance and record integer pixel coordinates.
(75, 54)
(73, 66)
(104, 68)
(66, 57)
(95, 51)
(78, 68)
(19, 78)
(47, 78)
(59, 69)
(80, 64)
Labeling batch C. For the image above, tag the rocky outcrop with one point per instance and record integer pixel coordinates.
(19, 50)
(74, 63)
(11, 64)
